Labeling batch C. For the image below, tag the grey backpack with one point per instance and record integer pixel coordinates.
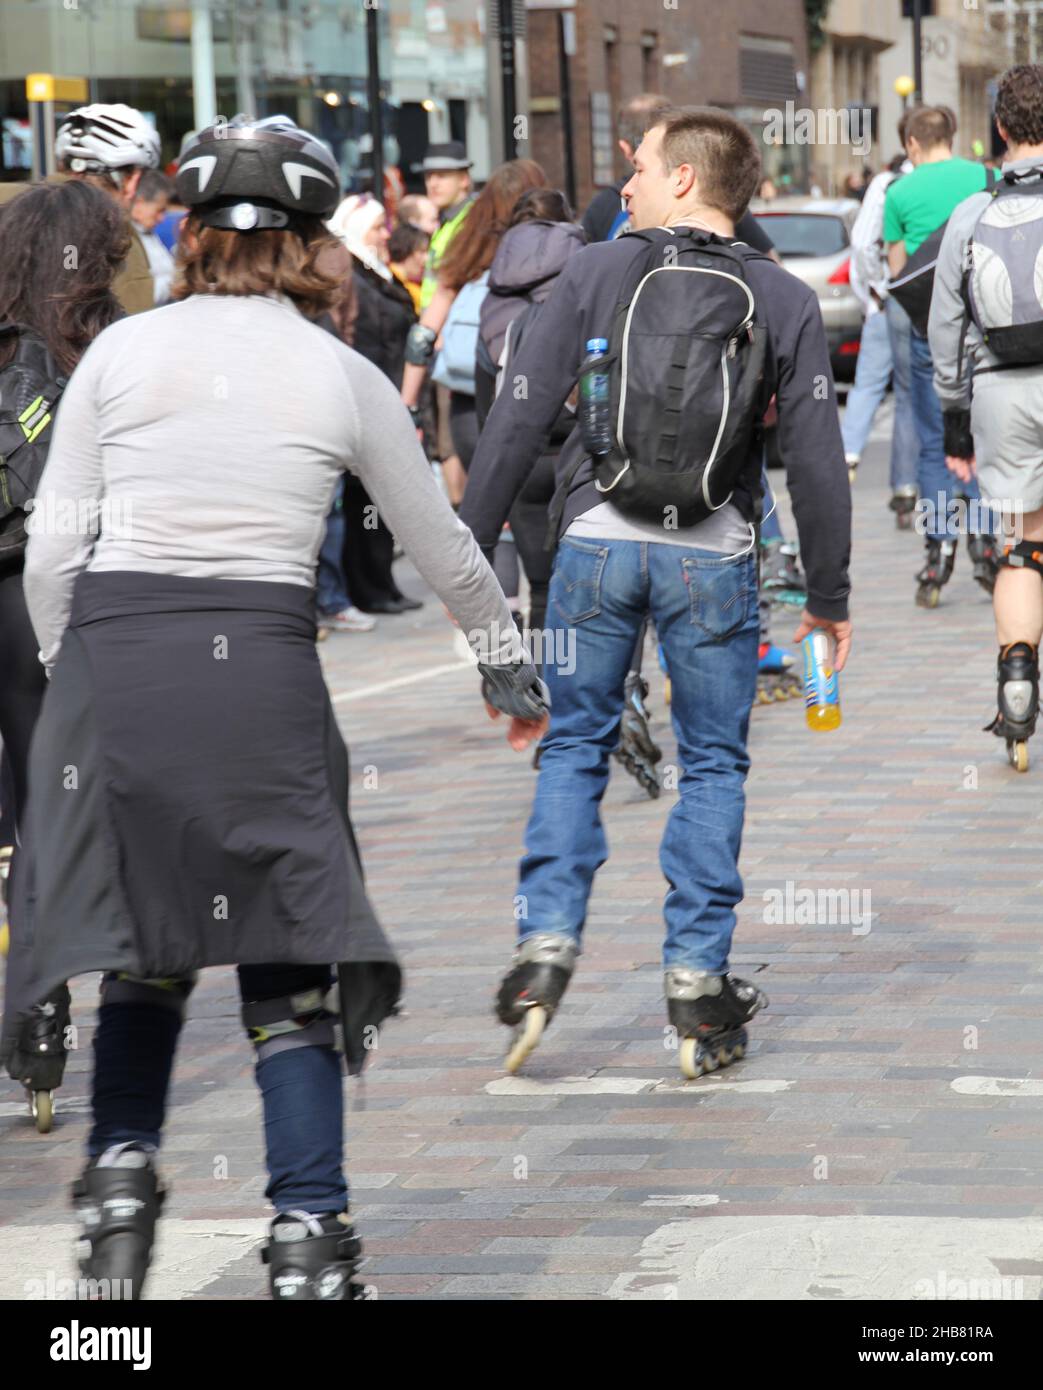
(1003, 279)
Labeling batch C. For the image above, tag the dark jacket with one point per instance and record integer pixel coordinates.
(583, 306)
(527, 263)
(385, 316)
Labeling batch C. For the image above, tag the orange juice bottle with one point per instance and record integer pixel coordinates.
(821, 686)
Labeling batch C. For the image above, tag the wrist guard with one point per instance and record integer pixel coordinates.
(420, 345)
(515, 690)
(959, 442)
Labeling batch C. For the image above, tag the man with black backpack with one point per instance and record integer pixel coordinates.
(916, 209)
(695, 332)
(986, 336)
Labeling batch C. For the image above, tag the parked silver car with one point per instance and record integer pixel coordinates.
(813, 237)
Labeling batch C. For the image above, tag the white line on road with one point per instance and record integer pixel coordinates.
(996, 1086)
(400, 681)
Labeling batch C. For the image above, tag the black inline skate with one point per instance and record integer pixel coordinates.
(37, 1058)
(312, 1257)
(118, 1198)
(782, 579)
(709, 1014)
(903, 504)
(936, 573)
(637, 751)
(1018, 673)
(982, 550)
(532, 989)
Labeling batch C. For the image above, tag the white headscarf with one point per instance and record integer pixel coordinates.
(356, 216)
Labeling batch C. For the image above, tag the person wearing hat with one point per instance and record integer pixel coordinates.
(109, 146)
(447, 178)
(209, 823)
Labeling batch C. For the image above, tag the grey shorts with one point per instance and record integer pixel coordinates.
(1007, 423)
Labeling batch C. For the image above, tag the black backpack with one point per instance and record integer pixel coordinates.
(914, 284)
(686, 363)
(30, 388)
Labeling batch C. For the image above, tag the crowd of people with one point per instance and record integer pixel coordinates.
(493, 388)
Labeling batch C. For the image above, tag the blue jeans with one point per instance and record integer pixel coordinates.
(905, 442)
(938, 486)
(332, 588)
(877, 366)
(301, 1090)
(705, 611)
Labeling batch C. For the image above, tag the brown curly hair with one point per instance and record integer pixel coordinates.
(216, 260)
(1019, 104)
(61, 245)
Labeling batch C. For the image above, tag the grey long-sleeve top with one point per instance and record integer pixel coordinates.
(953, 369)
(206, 439)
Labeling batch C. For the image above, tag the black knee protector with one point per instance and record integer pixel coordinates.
(121, 988)
(1024, 555)
(295, 1020)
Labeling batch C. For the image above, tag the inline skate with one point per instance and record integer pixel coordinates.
(709, 1014)
(903, 504)
(776, 680)
(37, 1059)
(312, 1257)
(637, 751)
(532, 989)
(782, 579)
(939, 559)
(118, 1198)
(1018, 674)
(982, 550)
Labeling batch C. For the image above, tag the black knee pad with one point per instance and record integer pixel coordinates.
(1024, 555)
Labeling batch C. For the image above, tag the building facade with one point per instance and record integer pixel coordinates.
(747, 56)
(307, 58)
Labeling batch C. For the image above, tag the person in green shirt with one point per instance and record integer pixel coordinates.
(916, 205)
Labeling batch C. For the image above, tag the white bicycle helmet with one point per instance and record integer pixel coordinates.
(101, 139)
(247, 174)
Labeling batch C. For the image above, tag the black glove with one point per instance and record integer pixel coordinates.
(515, 690)
(959, 442)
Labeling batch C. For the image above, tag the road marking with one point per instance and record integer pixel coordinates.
(623, 1086)
(669, 1199)
(835, 1257)
(996, 1086)
(188, 1256)
(401, 681)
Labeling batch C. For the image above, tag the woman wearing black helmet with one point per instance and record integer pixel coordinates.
(189, 784)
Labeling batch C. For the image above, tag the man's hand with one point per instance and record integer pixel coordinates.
(521, 732)
(965, 469)
(840, 633)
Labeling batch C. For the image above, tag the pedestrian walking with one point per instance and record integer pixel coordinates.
(658, 495)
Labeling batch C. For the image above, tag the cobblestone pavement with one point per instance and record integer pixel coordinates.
(884, 1138)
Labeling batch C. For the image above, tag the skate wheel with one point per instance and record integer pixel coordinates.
(526, 1037)
(781, 694)
(1019, 756)
(668, 690)
(42, 1107)
(928, 598)
(5, 939)
(764, 697)
(694, 1062)
(851, 473)
(322, 634)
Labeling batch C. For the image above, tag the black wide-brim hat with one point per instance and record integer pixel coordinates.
(451, 155)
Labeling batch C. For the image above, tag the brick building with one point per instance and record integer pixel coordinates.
(747, 56)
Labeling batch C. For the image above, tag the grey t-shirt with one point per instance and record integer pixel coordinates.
(206, 438)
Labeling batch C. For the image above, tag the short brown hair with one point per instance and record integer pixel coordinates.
(639, 114)
(720, 149)
(930, 126)
(1019, 104)
(260, 262)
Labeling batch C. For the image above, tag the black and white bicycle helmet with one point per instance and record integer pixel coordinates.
(103, 138)
(246, 174)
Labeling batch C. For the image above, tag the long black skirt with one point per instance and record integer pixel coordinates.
(188, 797)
